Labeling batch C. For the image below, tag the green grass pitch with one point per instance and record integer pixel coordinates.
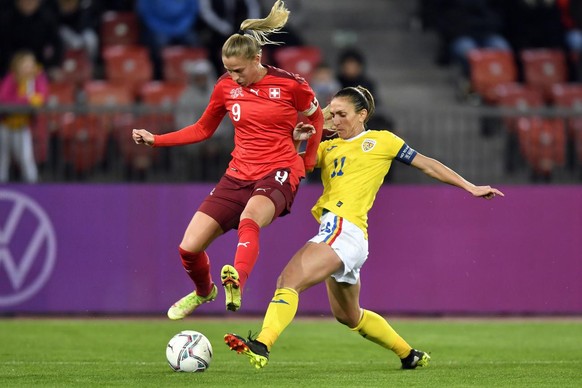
(121, 352)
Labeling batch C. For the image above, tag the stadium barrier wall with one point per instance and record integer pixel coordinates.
(112, 249)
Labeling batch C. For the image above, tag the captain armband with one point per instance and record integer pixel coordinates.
(406, 154)
(312, 108)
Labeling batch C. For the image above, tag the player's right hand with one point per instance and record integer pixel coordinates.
(303, 131)
(141, 136)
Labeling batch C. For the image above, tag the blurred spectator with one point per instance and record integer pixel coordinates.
(27, 24)
(221, 18)
(207, 160)
(464, 25)
(116, 5)
(77, 21)
(26, 85)
(572, 21)
(324, 83)
(167, 22)
(532, 23)
(352, 72)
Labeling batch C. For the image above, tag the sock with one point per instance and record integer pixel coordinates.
(247, 250)
(197, 266)
(279, 315)
(375, 328)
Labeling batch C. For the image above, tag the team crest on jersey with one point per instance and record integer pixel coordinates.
(234, 93)
(274, 93)
(368, 144)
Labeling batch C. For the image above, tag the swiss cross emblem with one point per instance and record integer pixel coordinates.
(234, 93)
(274, 93)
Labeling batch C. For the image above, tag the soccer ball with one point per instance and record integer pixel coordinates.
(189, 351)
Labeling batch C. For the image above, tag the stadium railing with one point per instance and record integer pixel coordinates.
(484, 144)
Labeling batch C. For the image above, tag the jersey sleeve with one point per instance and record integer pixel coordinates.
(200, 130)
(402, 151)
(306, 103)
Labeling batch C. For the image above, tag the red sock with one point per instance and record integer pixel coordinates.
(197, 266)
(247, 250)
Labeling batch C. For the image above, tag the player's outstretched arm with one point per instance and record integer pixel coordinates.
(437, 170)
(141, 136)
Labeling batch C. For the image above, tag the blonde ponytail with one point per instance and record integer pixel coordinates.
(254, 33)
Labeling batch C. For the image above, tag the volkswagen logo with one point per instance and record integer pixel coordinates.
(27, 248)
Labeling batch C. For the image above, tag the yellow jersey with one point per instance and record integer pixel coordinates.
(352, 171)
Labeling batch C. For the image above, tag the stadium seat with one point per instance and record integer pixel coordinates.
(60, 93)
(175, 60)
(516, 96)
(298, 60)
(160, 97)
(113, 102)
(542, 142)
(119, 28)
(489, 68)
(77, 67)
(128, 65)
(521, 100)
(569, 96)
(108, 94)
(544, 68)
(83, 143)
(160, 93)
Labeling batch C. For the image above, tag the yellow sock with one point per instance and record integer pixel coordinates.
(279, 315)
(375, 328)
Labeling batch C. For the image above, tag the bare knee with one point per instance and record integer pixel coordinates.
(348, 320)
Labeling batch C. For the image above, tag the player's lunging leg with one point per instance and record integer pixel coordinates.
(197, 266)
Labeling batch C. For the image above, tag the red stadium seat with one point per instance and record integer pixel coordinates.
(542, 142)
(50, 121)
(83, 142)
(567, 95)
(109, 94)
(176, 60)
(60, 93)
(298, 60)
(77, 67)
(119, 28)
(160, 93)
(128, 65)
(489, 68)
(544, 68)
(516, 96)
(112, 101)
(570, 96)
(161, 98)
(158, 98)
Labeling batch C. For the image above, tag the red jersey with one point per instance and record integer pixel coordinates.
(263, 114)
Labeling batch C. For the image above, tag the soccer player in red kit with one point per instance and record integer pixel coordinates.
(262, 178)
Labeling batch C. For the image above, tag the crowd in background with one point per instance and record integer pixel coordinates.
(50, 30)
(513, 25)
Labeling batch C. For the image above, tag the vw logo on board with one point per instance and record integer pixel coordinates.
(28, 247)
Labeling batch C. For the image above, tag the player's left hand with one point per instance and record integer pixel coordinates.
(303, 131)
(486, 192)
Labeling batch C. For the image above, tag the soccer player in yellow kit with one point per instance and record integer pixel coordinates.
(353, 166)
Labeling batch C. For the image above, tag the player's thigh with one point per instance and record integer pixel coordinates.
(260, 209)
(344, 300)
(279, 188)
(201, 231)
(311, 265)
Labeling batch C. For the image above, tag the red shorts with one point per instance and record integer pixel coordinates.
(229, 197)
